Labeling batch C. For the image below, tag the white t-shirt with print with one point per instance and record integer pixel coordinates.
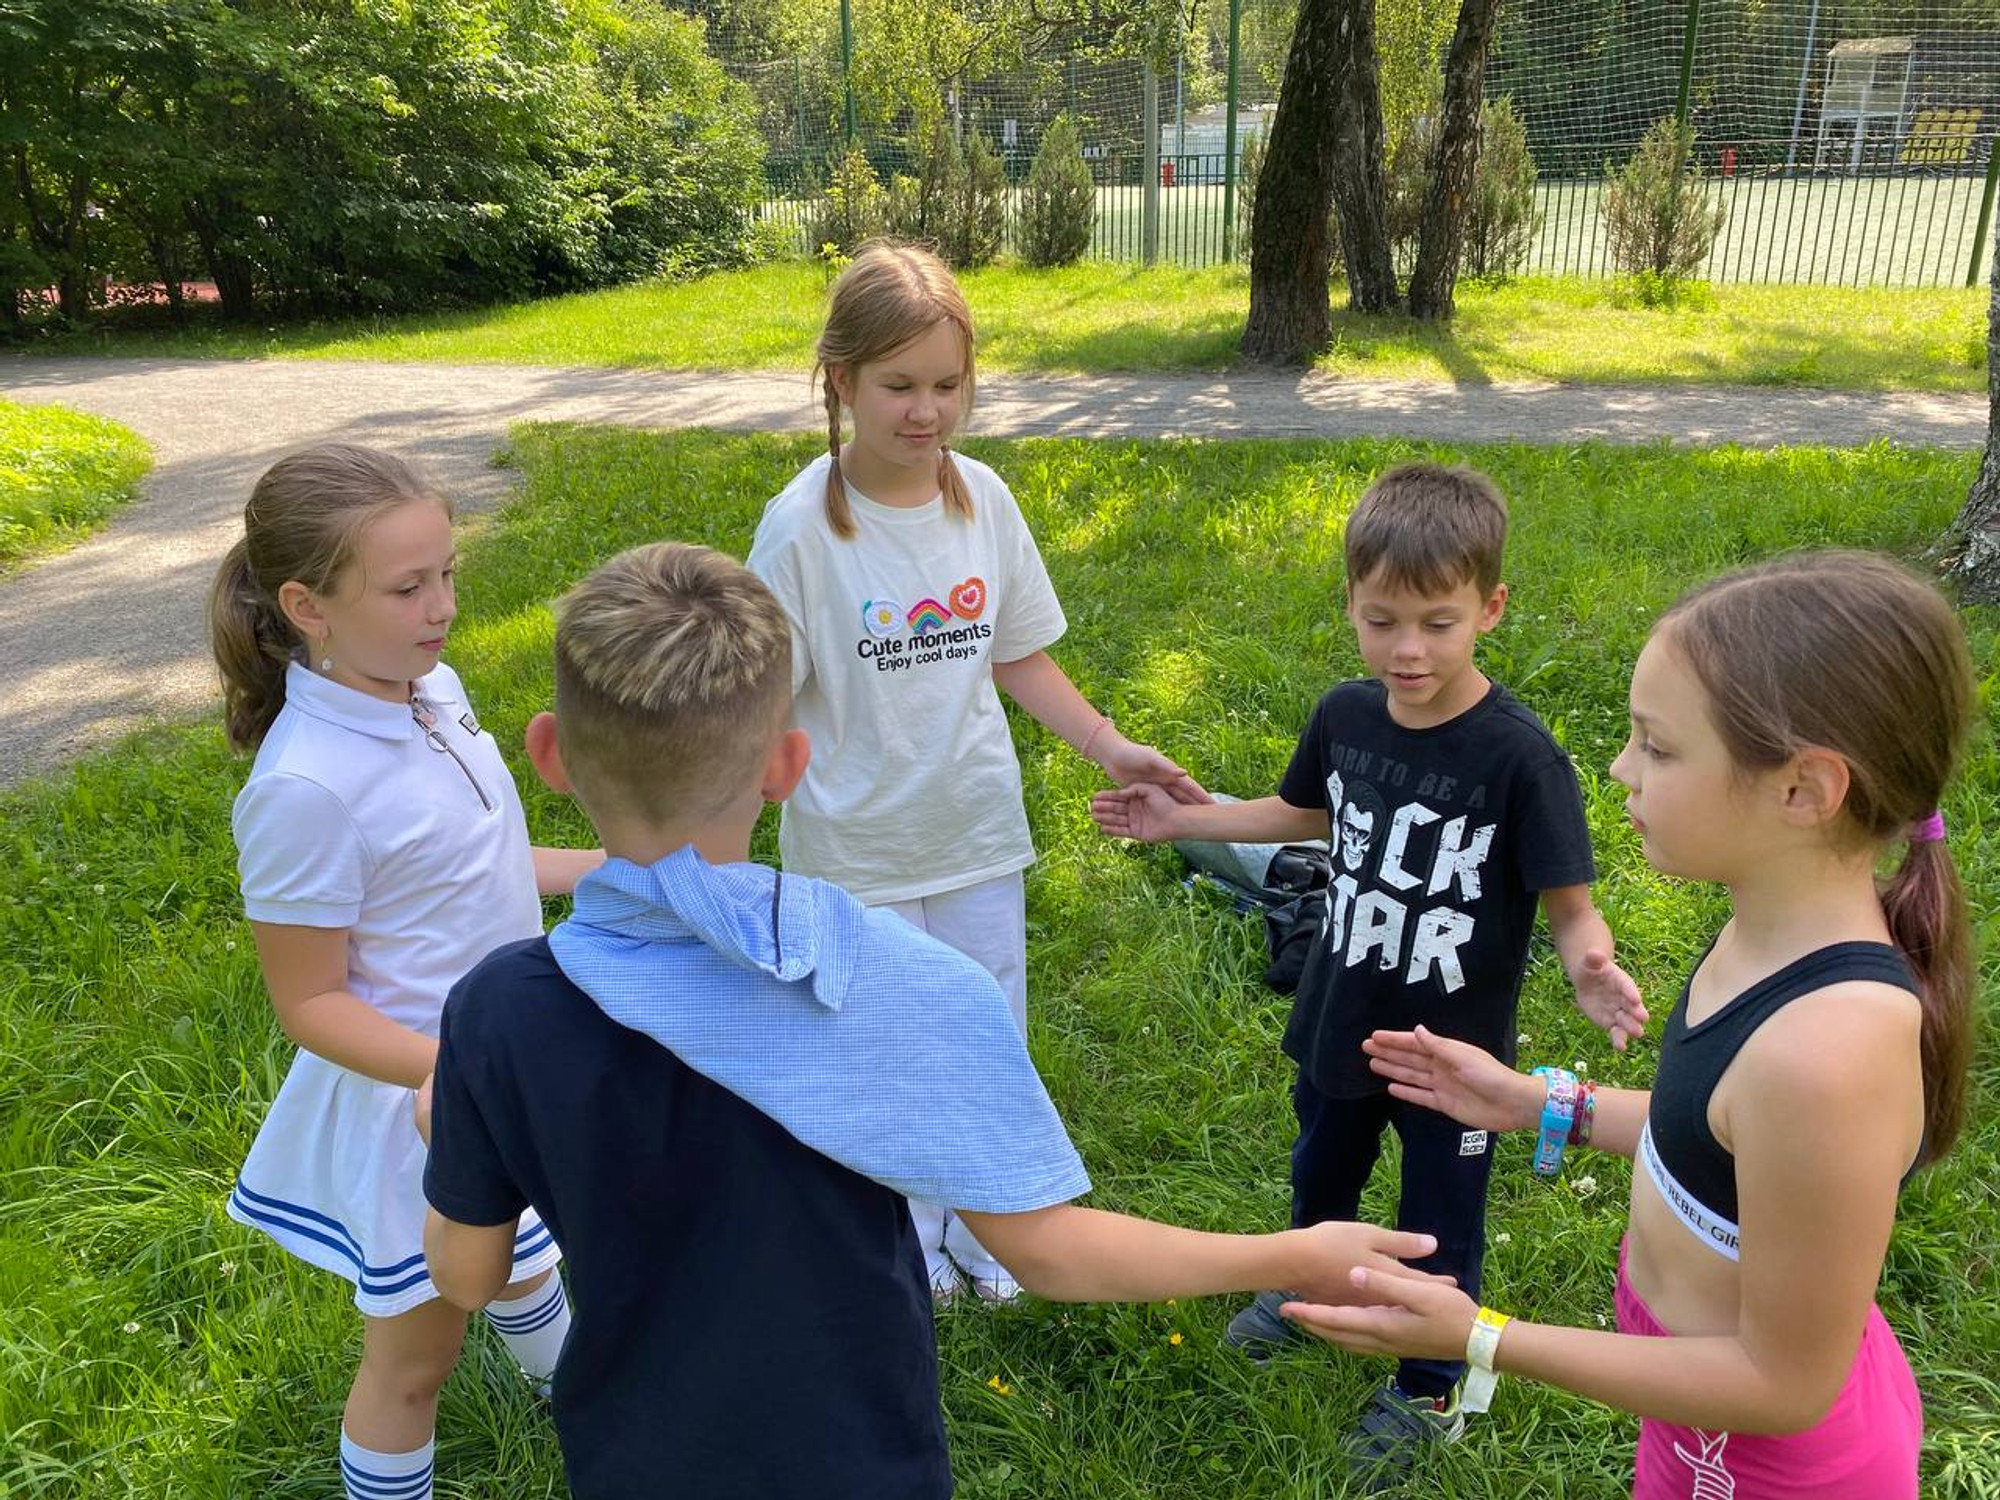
(913, 786)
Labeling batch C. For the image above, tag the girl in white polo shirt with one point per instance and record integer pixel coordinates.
(383, 852)
(914, 589)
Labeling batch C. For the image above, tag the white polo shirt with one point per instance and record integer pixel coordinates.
(415, 842)
(913, 787)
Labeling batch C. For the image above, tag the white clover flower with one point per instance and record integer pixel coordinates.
(228, 1268)
(97, 890)
(131, 1327)
(230, 946)
(1503, 1238)
(1585, 1186)
(1523, 1039)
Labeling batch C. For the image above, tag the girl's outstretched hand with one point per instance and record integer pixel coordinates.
(1455, 1078)
(1411, 1319)
(1131, 764)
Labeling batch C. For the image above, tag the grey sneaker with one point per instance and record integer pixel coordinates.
(1258, 1331)
(1395, 1431)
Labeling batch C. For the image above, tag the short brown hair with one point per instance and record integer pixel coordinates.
(673, 676)
(1428, 528)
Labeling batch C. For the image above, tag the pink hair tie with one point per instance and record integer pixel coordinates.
(1928, 830)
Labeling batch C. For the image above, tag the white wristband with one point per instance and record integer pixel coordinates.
(1482, 1346)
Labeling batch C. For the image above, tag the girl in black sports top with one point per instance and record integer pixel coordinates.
(1789, 724)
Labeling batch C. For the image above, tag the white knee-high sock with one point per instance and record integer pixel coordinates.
(533, 1327)
(367, 1475)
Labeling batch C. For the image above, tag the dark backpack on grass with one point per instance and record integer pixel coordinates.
(1285, 883)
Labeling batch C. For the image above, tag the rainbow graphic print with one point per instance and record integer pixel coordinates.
(927, 614)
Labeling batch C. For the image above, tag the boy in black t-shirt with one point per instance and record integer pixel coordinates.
(717, 1083)
(1452, 813)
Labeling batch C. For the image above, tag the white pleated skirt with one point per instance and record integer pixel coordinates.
(336, 1176)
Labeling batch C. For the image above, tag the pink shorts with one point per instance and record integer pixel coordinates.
(1865, 1448)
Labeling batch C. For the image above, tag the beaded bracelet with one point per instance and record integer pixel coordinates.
(1103, 723)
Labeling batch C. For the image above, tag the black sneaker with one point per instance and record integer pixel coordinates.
(1258, 1331)
(1395, 1431)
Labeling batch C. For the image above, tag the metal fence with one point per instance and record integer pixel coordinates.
(1836, 156)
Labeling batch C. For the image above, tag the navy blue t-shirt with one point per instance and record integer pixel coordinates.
(751, 1318)
(1442, 839)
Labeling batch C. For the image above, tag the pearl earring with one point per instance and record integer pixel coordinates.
(326, 661)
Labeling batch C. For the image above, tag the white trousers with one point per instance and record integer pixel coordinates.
(988, 923)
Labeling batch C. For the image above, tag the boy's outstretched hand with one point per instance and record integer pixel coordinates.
(1134, 765)
(1414, 1319)
(1141, 811)
(1455, 1078)
(1610, 997)
(1340, 1251)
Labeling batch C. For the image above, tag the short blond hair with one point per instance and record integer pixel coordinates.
(673, 677)
(1428, 528)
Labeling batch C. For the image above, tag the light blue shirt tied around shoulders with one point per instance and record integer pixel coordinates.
(869, 1041)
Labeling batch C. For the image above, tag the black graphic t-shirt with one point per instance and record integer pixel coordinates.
(1442, 839)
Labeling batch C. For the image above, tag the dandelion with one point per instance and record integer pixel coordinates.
(995, 1383)
(131, 1327)
(1503, 1238)
(1585, 1186)
(1170, 1301)
(1174, 1339)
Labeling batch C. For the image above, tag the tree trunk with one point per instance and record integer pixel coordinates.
(1291, 312)
(1972, 543)
(1456, 164)
(235, 284)
(1359, 193)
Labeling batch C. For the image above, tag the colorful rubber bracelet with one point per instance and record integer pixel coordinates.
(1482, 1347)
(1558, 1110)
(1585, 1122)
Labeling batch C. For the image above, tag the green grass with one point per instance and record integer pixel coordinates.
(62, 473)
(151, 1348)
(1103, 317)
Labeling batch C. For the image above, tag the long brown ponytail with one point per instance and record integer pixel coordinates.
(302, 523)
(1850, 652)
(889, 294)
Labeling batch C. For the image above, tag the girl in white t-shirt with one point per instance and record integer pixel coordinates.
(383, 853)
(914, 590)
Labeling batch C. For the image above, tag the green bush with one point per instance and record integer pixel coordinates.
(919, 207)
(1657, 215)
(1501, 219)
(1059, 201)
(854, 207)
(1249, 166)
(978, 217)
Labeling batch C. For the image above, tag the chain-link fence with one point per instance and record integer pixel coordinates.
(1845, 141)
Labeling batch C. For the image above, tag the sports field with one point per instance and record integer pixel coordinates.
(1909, 229)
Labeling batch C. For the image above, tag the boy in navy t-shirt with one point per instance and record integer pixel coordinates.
(717, 1084)
(1451, 814)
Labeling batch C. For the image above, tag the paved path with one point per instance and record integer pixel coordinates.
(109, 636)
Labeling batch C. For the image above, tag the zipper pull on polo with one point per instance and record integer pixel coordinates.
(427, 721)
